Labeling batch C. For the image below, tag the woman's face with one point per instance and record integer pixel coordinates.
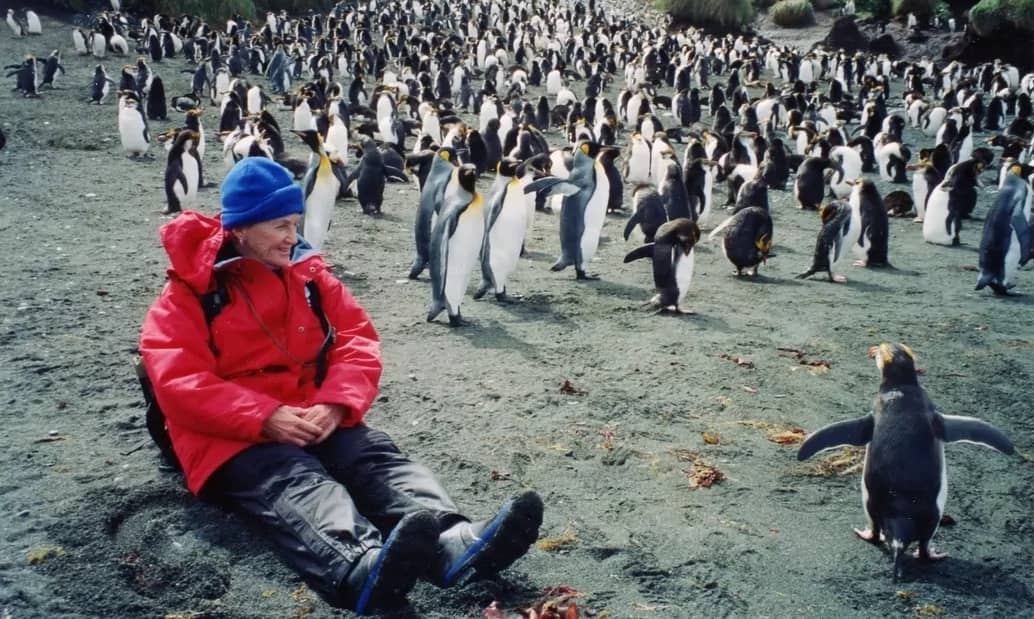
(270, 241)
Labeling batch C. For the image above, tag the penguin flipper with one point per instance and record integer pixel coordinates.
(633, 221)
(1022, 229)
(552, 185)
(954, 428)
(856, 432)
(393, 173)
(340, 172)
(643, 251)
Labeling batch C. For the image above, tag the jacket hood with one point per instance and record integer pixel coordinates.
(193, 241)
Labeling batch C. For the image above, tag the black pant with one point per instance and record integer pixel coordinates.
(325, 505)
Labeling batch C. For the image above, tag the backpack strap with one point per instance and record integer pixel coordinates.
(329, 334)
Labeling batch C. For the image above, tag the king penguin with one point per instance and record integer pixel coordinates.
(505, 226)
(456, 239)
(586, 192)
(321, 184)
(441, 175)
(904, 479)
(1005, 245)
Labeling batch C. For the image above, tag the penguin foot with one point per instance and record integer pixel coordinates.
(457, 321)
(585, 277)
(509, 299)
(839, 279)
(867, 535)
(917, 220)
(929, 555)
(861, 263)
(955, 242)
(171, 212)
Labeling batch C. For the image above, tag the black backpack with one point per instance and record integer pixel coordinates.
(212, 303)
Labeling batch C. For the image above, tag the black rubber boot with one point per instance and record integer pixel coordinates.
(383, 576)
(482, 549)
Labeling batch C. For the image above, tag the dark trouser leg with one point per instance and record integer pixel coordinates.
(384, 483)
(311, 519)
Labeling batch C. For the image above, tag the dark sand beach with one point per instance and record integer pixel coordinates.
(580, 392)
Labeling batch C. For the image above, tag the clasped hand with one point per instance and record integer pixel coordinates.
(302, 427)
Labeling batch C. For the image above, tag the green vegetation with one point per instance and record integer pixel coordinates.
(723, 14)
(988, 16)
(792, 13)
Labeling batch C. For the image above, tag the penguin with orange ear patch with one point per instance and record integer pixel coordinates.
(904, 480)
(748, 239)
(672, 256)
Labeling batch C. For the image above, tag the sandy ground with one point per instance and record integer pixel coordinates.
(92, 528)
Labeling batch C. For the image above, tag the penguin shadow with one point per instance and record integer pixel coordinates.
(612, 289)
(765, 280)
(538, 256)
(965, 577)
(491, 334)
(530, 306)
(1016, 298)
(893, 270)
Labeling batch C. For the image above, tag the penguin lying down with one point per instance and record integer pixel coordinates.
(904, 484)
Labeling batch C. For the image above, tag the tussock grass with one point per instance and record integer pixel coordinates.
(792, 13)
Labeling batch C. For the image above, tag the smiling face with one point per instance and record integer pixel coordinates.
(269, 242)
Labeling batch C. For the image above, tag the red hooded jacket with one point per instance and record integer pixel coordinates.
(217, 394)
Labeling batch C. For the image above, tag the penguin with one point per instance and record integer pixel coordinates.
(321, 184)
(156, 109)
(672, 255)
(456, 239)
(851, 162)
(753, 193)
(950, 202)
(441, 175)
(477, 151)
(100, 86)
(648, 212)
(637, 162)
(586, 192)
(898, 204)
(132, 126)
(52, 69)
(79, 42)
(370, 175)
(1005, 244)
(673, 193)
(33, 25)
(748, 239)
(698, 175)
(616, 199)
(506, 223)
(182, 173)
(874, 233)
(838, 233)
(17, 27)
(925, 177)
(904, 480)
(775, 169)
(810, 184)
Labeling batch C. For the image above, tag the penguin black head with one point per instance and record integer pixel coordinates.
(311, 137)
(507, 167)
(468, 176)
(897, 364)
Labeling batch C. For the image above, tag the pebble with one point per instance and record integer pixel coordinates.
(53, 433)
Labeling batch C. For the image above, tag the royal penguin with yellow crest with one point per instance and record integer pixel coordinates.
(904, 476)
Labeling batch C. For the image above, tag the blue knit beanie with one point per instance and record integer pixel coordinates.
(258, 189)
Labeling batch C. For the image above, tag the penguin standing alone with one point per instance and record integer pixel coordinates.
(904, 481)
(456, 239)
(132, 126)
(868, 211)
(182, 173)
(672, 256)
(837, 234)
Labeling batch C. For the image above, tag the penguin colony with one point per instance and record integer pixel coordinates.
(443, 94)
